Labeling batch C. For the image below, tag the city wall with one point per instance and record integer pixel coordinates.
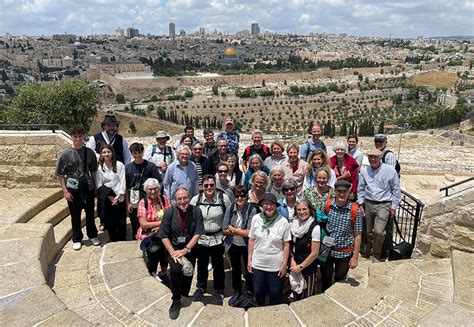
(140, 87)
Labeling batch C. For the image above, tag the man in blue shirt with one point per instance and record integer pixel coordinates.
(313, 144)
(344, 227)
(182, 173)
(379, 195)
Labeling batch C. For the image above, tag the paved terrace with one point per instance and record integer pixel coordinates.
(45, 282)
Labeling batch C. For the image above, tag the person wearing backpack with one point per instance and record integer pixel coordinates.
(388, 157)
(237, 221)
(379, 195)
(312, 144)
(160, 154)
(136, 173)
(306, 237)
(343, 227)
(256, 148)
(213, 204)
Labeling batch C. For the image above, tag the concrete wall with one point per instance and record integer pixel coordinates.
(28, 159)
(448, 224)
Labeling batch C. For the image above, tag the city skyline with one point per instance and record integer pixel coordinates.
(406, 19)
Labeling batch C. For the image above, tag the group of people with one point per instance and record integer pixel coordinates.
(279, 215)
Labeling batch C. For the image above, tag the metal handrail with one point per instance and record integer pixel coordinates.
(34, 127)
(407, 219)
(446, 188)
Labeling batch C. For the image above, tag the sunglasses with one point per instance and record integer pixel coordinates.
(289, 189)
(197, 149)
(222, 171)
(208, 185)
(379, 141)
(240, 196)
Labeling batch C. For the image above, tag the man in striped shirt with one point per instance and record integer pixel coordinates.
(212, 204)
(379, 195)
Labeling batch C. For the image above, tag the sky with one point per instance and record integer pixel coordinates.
(382, 18)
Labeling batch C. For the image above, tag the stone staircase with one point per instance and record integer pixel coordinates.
(45, 282)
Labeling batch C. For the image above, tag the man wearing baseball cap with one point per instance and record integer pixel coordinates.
(378, 194)
(231, 135)
(388, 156)
(344, 227)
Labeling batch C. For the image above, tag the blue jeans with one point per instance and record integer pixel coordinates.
(267, 282)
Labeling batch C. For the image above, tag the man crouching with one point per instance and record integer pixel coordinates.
(180, 230)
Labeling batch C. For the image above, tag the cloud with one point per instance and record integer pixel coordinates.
(401, 18)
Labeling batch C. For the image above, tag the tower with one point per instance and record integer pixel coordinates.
(172, 28)
(255, 30)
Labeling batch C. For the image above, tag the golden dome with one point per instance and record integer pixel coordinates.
(230, 52)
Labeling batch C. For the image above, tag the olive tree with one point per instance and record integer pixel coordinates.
(66, 103)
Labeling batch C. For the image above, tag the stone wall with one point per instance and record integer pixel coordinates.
(448, 224)
(140, 87)
(28, 159)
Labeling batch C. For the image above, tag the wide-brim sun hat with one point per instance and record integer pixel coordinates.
(269, 197)
(162, 135)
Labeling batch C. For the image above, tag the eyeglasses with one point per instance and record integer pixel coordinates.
(289, 189)
(222, 171)
(197, 149)
(240, 196)
(208, 185)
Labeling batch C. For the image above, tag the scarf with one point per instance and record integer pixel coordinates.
(267, 221)
(299, 228)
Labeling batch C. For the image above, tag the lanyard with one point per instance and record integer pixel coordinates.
(182, 223)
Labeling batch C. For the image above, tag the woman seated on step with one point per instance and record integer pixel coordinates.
(151, 210)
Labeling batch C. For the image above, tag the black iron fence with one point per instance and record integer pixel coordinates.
(407, 219)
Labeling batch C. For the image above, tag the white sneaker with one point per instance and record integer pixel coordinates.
(209, 266)
(77, 246)
(95, 241)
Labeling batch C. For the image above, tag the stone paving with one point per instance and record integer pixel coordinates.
(44, 283)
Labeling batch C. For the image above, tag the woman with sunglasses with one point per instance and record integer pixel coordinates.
(317, 159)
(317, 195)
(236, 227)
(288, 203)
(213, 204)
(223, 183)
(306, 237)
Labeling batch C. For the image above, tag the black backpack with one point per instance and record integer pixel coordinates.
(397, 164)
(220, 201)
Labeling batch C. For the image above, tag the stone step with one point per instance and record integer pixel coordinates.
(53, 214)
(37, 202)
(356, 300)
(463, 266)
(326, 312)
(63, 230)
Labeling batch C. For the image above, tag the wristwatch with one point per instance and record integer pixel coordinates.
(188, 249)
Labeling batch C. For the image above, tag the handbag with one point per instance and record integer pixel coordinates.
(72, 184)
